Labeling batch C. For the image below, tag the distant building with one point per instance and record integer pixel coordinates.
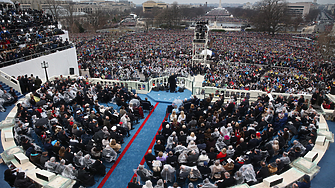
(300, 9)
(95, 6)
(331, 8)
(88, 7)
(247, 5)
(148, 6)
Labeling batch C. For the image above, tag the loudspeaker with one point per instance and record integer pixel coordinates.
(320, 140)
(21, 158)
(311, 156)
(45, 175)
(272, 180)
(8, 136)
(332, 91)
(71, 71)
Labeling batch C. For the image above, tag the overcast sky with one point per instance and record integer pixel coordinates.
(226, 1)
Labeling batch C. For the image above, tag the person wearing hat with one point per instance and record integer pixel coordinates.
(253, 142)
(175, 185)
(305, 183)
(44, 158)
(227, 181)
(206, 183)
(205, 170)
(263, 172)
(229, 167)
(202, 158)
(172, 159)
(190, 185)
(115, 146)
(160, 137)
(23, 181)
(272, 168)
(144, 174)
(216, 169)
(117, 136)
(192, 158)
(239, 162)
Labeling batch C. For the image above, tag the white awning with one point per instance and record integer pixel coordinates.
(6, 2)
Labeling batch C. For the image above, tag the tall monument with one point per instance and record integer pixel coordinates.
(220, 4)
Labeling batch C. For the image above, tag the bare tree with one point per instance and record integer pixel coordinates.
(69, 16)
(170, 16)
(56, 8)
(326, 46)
(271, 14)
(295, 22)
(312, 15)
(239, 12)
(98, 19)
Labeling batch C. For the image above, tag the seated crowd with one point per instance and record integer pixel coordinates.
(27, 32)
(7, 98)
(229, 143)
(74, 133)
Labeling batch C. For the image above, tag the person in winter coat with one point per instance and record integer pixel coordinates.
(22, 182)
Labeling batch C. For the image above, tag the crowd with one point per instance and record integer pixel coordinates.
(63, 129)
(223, 143)
(230, 143)
(27, 32)
(219, 142)
(153, 54)
(242, 60)
(278, 56)
(7, 98)
(234, 76)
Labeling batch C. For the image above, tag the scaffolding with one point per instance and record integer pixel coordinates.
(200, 40)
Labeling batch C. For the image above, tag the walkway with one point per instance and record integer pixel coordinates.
(325, 178)
(123, 172)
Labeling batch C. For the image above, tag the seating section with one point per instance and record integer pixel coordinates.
(7, 88)
(10, 149)
(297, 172)
(43, 134)
(27, 34)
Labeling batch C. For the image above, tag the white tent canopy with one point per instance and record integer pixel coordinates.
(207, 52)
(6, 2)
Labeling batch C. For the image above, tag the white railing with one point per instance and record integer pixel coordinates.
(10, 81)
(201, 92)
(189, 83)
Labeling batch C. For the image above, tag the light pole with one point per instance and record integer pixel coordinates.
(45, 65)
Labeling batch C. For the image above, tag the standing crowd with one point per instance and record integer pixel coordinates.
(284, 63)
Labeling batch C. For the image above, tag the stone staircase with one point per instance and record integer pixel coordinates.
(6, 87)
